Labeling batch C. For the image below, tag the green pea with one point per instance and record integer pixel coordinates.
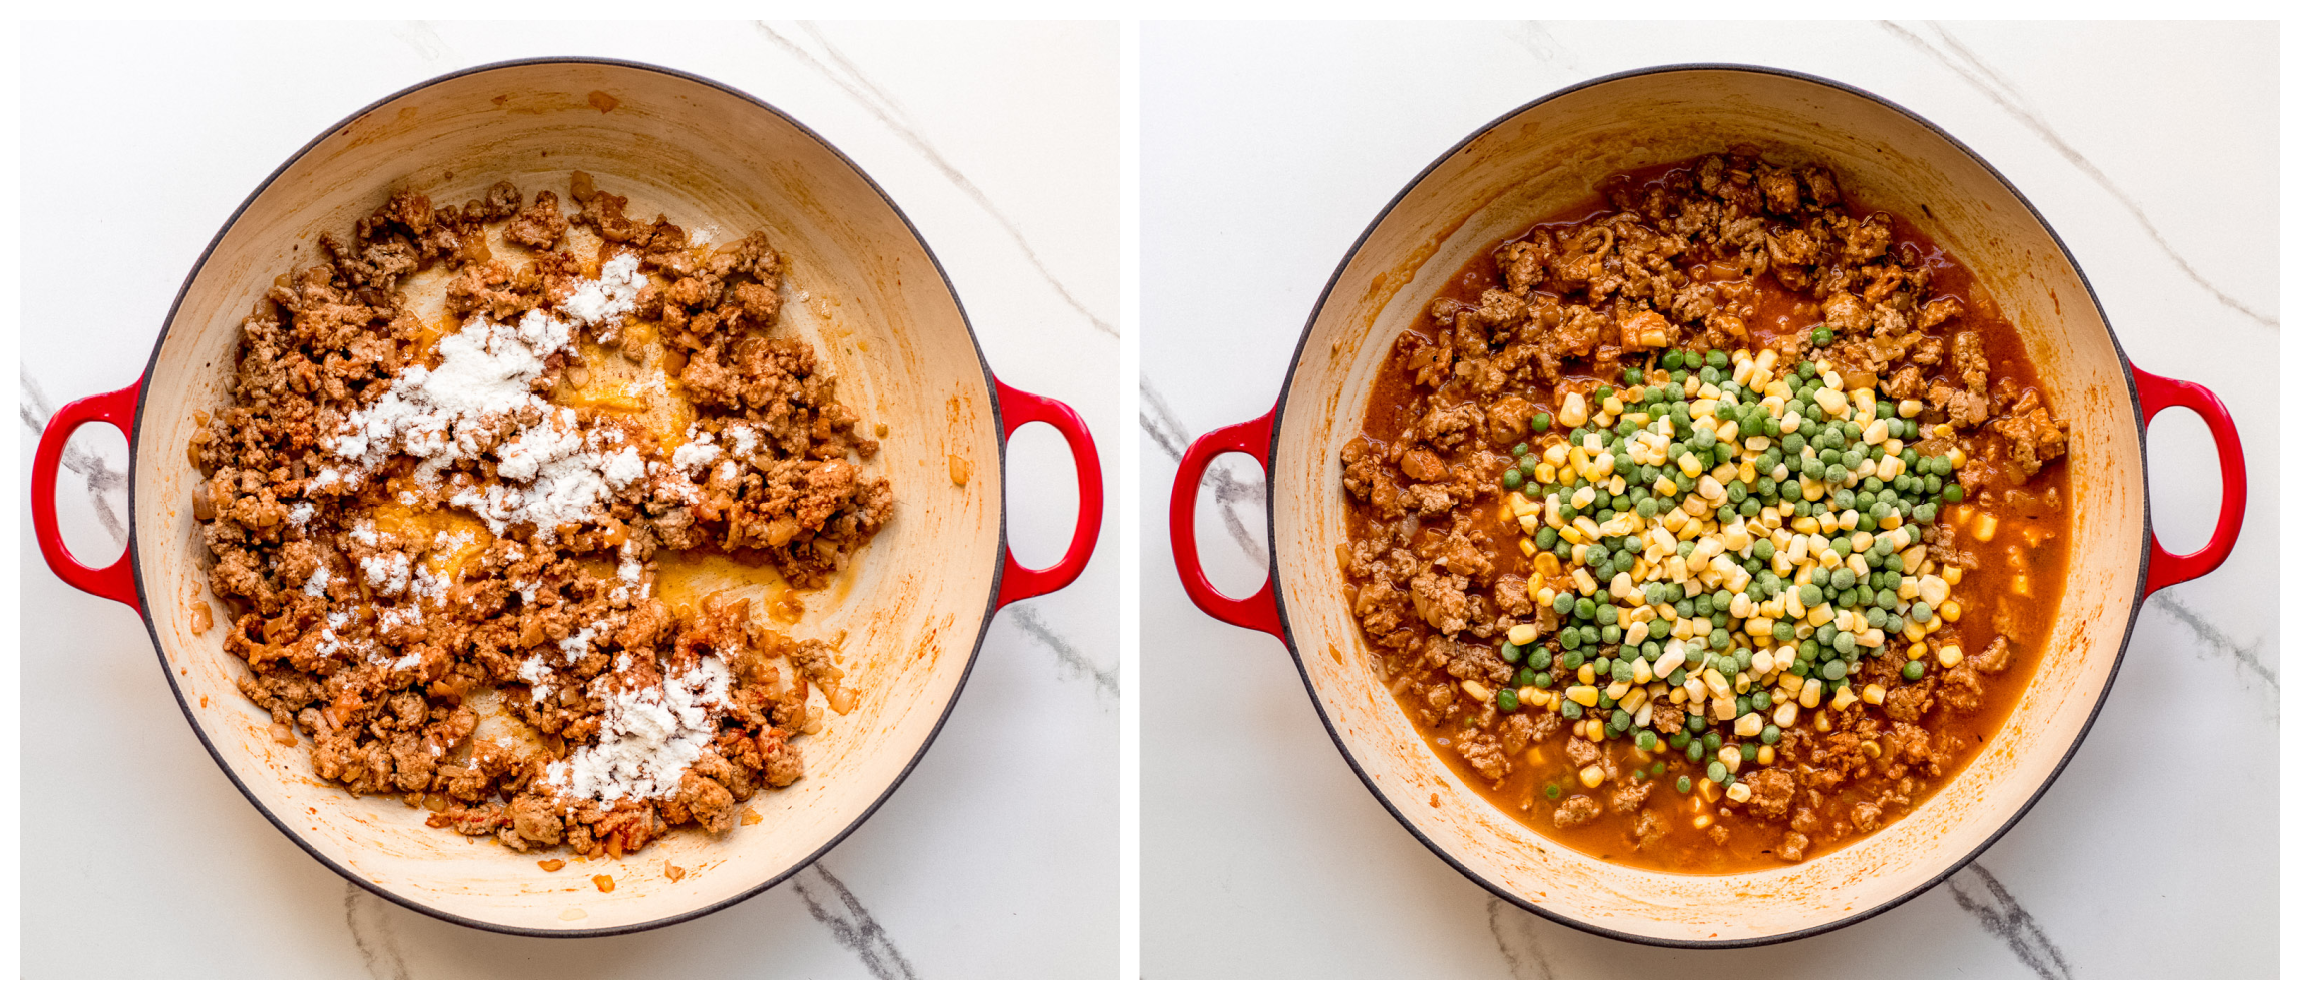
(1713, 739)
(1844, 645)
(1659, 768)
(1673, 360)
(1684, 785)
(1717, 771)
(1695, 750)
(1678, 739)
(1834, 670)
(1843, 578)
(1622, 720)
(1696, 724)
(1810, 594)
(1912, 671)
(1605, 703)
(1584, 609)
(1632, 376)
(1646, 739)
(1505, 699)
(1524, 678)
(1512, 479)
(1571, 709)
(1770, 735)
(1622, 671)
(1538, 659)
(1953, 494)
(1519, 449)
(1543, 680)
(1540, 422)
(1761, 699)
(1821, 336)
(1552, 791)
(1570, 660)
(1922, 612)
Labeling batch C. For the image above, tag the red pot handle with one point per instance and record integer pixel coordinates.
(1251, 439)
(117, 408)
(1017, 408)
(2158, 394)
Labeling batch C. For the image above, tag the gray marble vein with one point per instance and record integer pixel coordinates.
(858, 86)
(107, 487)
(1075, 662)
(1534, 37)
(1978, 892)
(1230, 494)
(2217, 639)
(1964, 63)
(369, 919)
(425, 40)
(1514, 931)
(850, 923)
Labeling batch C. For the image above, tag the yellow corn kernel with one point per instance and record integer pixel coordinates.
(1739, 792)
(1952, 655)
(1520, 635)
(1764, 756)
(1702, 821)
(1985, 528)
(1785, 713)
(1545, 473)
(1477, 690)
(2020, 585)
(1593, 776)
(1916, 651)
(1665, 486)
(1871, 750)
(1588, 675)
(1709, 790)
(1874, 694)
(1691, 465)
(1617, 690)
(1951, 611)
(1810, 697)
(1574, 412)
(1751, 724)
(1845, 696)
(1954, 575)
(1956, 458)
(1525, 545)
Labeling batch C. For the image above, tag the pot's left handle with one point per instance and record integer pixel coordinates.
(2158, 394)
(117, 408)
(1251, 439)
(1017, 408)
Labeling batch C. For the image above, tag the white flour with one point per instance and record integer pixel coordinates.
(647, 738)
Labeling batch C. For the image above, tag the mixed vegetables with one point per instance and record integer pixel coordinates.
(1746, 542)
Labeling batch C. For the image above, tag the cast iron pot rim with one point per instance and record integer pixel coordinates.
(143, 595)
(1278, 588)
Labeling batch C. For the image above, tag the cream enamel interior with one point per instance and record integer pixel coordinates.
(881, 317)
(1543, 160)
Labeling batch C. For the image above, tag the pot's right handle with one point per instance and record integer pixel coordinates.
(1251, 439)
(2158, 394)
(117, 408)
(1017, 408)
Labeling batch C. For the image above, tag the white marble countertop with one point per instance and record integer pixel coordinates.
(997, 857)
(2151, 147)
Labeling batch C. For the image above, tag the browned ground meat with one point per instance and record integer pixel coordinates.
(325, 563)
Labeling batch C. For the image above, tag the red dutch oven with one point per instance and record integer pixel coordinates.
(1542, 159)
(877, 305)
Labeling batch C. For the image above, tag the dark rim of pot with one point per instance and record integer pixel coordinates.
(1278, 590)
(135, 455)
